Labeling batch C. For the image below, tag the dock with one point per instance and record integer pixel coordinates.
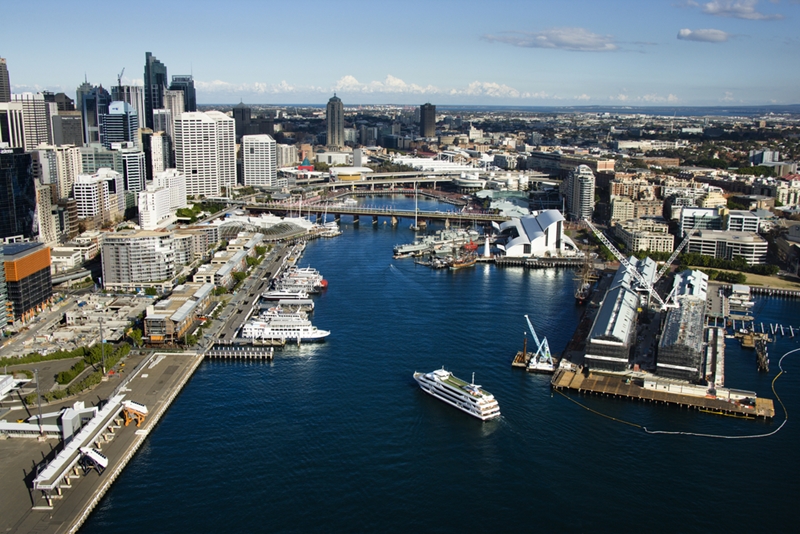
(627, 388)
(66, 497)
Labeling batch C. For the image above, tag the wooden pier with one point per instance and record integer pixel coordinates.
(626, 388)
(240, 350)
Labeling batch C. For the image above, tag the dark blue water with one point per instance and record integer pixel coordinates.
(337, 437)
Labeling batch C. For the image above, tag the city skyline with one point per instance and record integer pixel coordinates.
(523, 53)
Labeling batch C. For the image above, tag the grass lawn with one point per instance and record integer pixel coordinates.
(761, 280)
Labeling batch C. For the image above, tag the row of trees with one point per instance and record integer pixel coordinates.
(91, 356)
(738, 263)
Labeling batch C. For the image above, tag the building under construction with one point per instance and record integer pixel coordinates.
(680, 351)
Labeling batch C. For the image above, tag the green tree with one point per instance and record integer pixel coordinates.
(150, 291)
(136, 336)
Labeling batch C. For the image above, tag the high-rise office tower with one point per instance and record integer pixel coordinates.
(95, 157)
(5, 82)
(578, 191)
(155, 81)
(133, 95)
(335, 118)
(12, 125)
(160, 152)
(134, 169)
(185, 83)
(64, 102)
(36, 114)
(45, 214)
(17, 195)
(241, 116)
(259, 160)
(68, 128)
(81, 91)
(94, 103)
(57, 165)
(162, 121)
(173, 101)
(205, 152)
(427, 120)
(119, 125)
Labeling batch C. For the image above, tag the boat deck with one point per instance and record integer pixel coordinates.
(620, 387)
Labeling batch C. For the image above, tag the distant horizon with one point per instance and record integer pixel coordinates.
(646, 109)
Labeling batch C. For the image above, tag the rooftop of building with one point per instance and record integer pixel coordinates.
(16, 251)
(744, 237)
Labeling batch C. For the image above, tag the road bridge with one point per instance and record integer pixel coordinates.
(448, 217)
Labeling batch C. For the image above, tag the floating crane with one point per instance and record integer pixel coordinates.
(542, 360)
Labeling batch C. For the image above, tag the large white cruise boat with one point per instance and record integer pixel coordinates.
(469, 398)
(284, 327)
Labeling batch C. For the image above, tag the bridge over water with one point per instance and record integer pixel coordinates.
(448, 217)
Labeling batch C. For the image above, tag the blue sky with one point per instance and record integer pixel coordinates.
(498, 52)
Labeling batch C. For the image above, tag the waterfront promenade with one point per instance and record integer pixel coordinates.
(157, 380)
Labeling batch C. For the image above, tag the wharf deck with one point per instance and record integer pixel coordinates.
(620, 387)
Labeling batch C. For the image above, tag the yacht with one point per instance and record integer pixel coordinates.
(470, 398)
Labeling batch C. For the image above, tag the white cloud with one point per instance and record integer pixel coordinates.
(706, 35)
(491, 89)
(390, 85)
(650, 98)
(740, 9)
(584, 96)
(727, 98)
(573, 39)
(219, 86)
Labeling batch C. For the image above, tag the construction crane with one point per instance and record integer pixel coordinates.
(624, 261)
(674, 255)
(119, 80)
(542, 360)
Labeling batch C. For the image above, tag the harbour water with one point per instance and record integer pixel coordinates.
(338, 437)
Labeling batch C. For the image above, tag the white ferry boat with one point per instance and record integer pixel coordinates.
(470, 398)
(286, 328)
(284, 294)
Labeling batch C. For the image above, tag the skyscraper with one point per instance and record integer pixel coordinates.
(134, 168)
(68, 128)
(185, 83)
(17, 195)
(36, 116)
(155, 81)
(205, 152)
(12, 126)
(94, 103)
(241, 116)
(578, 191)
(119, 125)
(173, 101)
(5, 82)
(335, 118)
(259, 160)
(133, 95)
(427, 120)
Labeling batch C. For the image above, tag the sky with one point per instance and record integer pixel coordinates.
(465, 52)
